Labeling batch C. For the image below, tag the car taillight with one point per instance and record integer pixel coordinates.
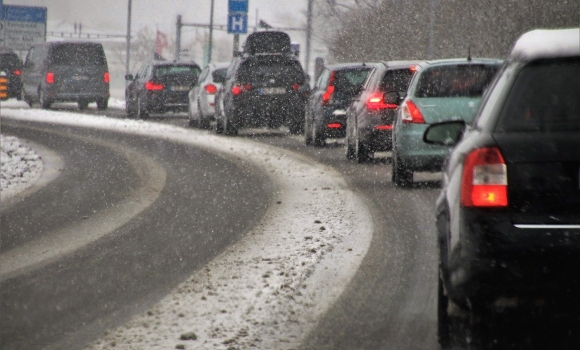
(484, 179)
(412, 114)
(334, 125)
(106, 77)
(384, 127)
(17, 72)
(296, 87)
(50, 78)
(376, 102)
(238, 89)
(210, 89)
(329, 90)
(152, 86)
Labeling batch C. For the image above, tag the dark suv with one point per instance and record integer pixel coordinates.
(159, 87)
(266, 87)
(508, 217)
(11, 65)
(332, 94)
(66, 72)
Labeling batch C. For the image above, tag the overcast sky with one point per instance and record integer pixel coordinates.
(111, 15)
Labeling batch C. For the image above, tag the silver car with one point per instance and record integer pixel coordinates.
(201, 109)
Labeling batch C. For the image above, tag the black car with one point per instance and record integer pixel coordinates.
(369, 120)
(333, 92)
(11, 65)
(159, 87)
(508, 217)
(66, 72)
(265, 87)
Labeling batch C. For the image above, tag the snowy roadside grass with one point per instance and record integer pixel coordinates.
(268, 290)
(21, 167)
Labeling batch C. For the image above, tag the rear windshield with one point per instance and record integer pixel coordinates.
(466, 80)
(9, 61)
(180, 70)
(262, 71)
(396, 80)
(544, 97)
(350, 80)
(219, 75)
(78, 55)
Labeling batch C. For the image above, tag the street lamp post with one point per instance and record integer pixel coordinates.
(210, 33)
(308, 34)
(128, 55)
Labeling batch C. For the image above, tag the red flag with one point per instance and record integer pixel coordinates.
(160, 44)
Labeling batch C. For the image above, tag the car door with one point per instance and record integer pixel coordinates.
(32, 72)
(314, 101)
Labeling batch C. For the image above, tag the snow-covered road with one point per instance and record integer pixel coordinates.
(269, 289)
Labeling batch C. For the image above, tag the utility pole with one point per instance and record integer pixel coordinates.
(210, 33)
(431, 28)
(178, 37)
(308, 34)
(128, 55)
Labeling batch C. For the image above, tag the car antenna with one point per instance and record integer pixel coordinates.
(469, 53)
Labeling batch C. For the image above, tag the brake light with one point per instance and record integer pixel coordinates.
(296, 87)
(17, 72)
(384, 127)
(106, 77)
(238, 89)
(334, 125)
(484, 179)
(329, 90)
(413, 68)
(412, 114)
(50, 78)
(376, 102)
(152, 86)
(210, 89)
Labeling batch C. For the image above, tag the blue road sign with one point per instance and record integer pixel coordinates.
(238, 6)
(23, 14)
(237, 23)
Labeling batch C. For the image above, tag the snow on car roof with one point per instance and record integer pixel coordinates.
(545, 43)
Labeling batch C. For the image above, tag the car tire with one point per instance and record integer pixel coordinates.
(318, 140)
(443, 319)
(83, 104)
(203, 122)
(102, 104)
(349, 150)
(25, 98)
(229, 129)
(361, 152)
(296, 127)
(401, 176)
(44, 102)
(141, 112)
(307, 133)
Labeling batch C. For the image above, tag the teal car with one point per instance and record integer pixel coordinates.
(440, 90)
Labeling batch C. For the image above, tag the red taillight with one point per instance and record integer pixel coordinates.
(334, 125)
(376, 102)
(17, 72)
(106, 77)
(329, 90)
(412, 114)
(50, 78)
(210, 89)
(296, 87)
(238, 89)
(384, 127)
(413, 68)
(484, 179)
(152, 86)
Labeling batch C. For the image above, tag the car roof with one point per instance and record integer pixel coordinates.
(546, 43)
(169, 63)
(219, 65)
(347, 65)
(400, 64)
(455, 61)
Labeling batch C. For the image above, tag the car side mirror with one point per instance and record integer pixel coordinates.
(392, 98)
(446, 133)
(129, 77)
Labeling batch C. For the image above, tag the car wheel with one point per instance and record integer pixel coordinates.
(443, 320)
(307, 133)
(44, 102)
(350, 150)
(401, 176)
(192, 122)
(318, 139)
(296, 127)
(102, 104)
(203, 122)
(128, 110)
(141, 112)
(83, 105)
(25, 98)
(361, 152)
(228, 128)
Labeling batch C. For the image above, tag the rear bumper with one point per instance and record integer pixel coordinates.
(267, 110)
(57, 95)
(331, 121)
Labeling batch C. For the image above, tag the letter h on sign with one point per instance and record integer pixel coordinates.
(238, 23)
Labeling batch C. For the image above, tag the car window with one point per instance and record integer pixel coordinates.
(9, 61)
(350, 79)
(77, 55)
(396, 80)
(545, 97)
(465, 80)
(219, 75)
(203, 75)
(288, 71)
(162, 71)
(491, 99)
(323, 79)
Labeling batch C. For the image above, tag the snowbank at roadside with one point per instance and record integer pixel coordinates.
(21, 167)
(268, 290)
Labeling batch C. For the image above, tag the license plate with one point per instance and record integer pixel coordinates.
(179, 88)
(273, 91)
